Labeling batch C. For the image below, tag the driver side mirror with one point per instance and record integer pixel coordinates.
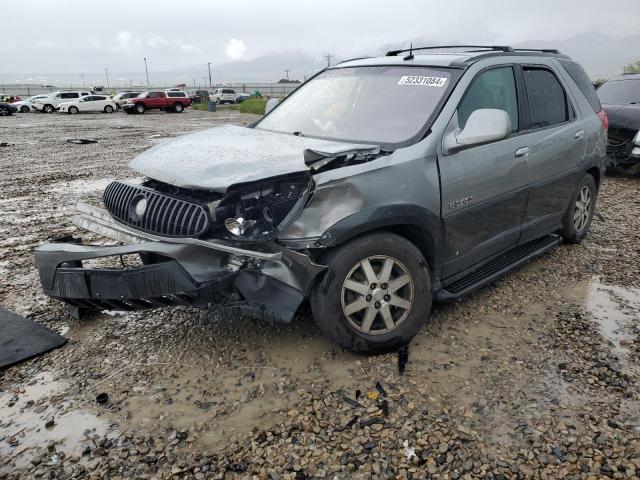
(271, 104)
(484, 125)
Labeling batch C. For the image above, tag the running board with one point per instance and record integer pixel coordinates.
(498, 267)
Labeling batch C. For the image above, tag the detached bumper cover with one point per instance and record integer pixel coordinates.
(217, 276)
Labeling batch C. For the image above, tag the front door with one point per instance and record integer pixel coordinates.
(484, 188)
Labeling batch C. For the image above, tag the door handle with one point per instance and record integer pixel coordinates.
(522, 152)
(579, 134)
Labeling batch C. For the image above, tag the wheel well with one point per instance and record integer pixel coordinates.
(420, 237)
(595, 173)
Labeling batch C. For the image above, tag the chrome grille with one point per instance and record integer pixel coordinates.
(164, 215)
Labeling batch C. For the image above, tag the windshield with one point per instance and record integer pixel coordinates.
(385, 104)
(619, 92)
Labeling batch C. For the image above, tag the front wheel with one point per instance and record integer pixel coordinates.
(24, 109)
(140, 108)
(577, 220)
(4, 111)
(375, 295)
(73, 110)
(178, 107)
(48, 109)
(108, 109)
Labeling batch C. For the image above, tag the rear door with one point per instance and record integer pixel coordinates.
(558, 144)
(484, 188)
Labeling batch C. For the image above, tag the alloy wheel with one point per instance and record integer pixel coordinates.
(4, 111)
(377, 295)
(583, 209)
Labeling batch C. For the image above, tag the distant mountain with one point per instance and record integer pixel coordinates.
(267, 68)
(602, 55)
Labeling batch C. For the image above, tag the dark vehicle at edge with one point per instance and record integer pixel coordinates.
(620, 97)
(7, 109)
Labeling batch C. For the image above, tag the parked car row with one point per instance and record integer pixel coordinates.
(73, 102)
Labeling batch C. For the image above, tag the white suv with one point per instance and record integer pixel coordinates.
(224, 95)
(50, 103)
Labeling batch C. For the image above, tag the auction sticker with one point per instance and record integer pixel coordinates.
(422, 81)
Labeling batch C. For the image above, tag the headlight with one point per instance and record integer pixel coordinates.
(259, 211)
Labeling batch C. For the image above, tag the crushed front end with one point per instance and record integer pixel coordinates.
(177, 246)
(623, 149)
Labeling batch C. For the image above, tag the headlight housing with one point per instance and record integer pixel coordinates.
(259, 211)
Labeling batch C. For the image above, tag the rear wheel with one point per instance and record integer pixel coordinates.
(140, 108)
(108, 109)
(375, 295)
(73, 110)
(24, 109)
(577, 220)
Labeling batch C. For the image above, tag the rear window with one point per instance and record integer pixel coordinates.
(578, 75)
(176, 94)
(547, 100)
(226, 90)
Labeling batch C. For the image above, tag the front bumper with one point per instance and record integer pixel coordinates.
(267, 281)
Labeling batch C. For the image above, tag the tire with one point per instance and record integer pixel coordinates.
(73, 110)
(24, 109)
(140, 108)
(331, 297)
(178, 107)
(108, 109)
(577, 220)
(4, 112)
(48, 108)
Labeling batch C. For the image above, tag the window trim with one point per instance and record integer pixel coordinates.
(569, 101)
(519, 99)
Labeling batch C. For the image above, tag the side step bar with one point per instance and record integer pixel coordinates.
(498, 267)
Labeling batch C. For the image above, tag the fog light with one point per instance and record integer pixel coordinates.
(238, 226)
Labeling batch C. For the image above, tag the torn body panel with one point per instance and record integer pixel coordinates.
(203, 273)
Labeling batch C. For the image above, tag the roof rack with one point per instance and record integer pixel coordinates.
(500, 48)
(543, 50)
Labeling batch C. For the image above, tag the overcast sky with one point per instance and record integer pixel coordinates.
(80, 36)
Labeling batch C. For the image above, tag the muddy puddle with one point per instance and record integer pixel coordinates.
(33, 416)
(617, 312)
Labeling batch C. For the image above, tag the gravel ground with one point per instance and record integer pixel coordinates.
(536, 376)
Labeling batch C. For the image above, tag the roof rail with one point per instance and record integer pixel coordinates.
(500, 48)
(543, 50)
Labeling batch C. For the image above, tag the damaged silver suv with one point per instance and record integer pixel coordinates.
(379, 185)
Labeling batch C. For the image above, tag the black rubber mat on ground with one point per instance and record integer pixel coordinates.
(21, 338)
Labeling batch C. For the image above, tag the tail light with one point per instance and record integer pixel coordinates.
(602, 115)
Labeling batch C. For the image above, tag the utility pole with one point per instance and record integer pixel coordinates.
(205, 81)
(82, 75)
(328, 56)
(106, 72)
(146, 70)
(287, 72)
(209, 67)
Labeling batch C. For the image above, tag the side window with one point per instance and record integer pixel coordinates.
(546, 97)
(495, 88)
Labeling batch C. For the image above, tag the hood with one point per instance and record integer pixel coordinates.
(217, 158)
(623, 116)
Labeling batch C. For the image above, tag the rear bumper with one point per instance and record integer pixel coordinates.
(269, 284)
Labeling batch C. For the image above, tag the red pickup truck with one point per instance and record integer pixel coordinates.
(170, 101)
